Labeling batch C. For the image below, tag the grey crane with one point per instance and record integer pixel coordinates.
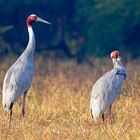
(107, 89)
(19, 76)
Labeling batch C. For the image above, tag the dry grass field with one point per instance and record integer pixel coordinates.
(57, 107)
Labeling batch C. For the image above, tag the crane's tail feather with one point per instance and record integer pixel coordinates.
(11, 106)
(92, 115)
(6, 108)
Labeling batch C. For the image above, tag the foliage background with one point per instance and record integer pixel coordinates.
(80, 28)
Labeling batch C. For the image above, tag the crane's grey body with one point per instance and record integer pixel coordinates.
(20, 75)
(106, 90)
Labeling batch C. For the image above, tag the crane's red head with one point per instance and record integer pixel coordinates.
(31, 19)
(115, 54)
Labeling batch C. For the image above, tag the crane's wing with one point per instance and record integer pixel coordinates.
(109, 81)
(7, 79)
(8, 74)
(108, 88)
(17, 80)
(21, 78)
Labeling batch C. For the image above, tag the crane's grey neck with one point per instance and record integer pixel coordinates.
(29, 51)
(117, 63)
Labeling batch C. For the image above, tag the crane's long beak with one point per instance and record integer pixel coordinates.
(42, 20)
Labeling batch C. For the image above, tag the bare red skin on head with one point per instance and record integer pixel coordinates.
(31, 19)
(115, 54)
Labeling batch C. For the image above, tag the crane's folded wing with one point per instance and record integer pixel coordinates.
(109, 85)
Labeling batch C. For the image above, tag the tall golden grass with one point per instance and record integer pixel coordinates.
(57, 107)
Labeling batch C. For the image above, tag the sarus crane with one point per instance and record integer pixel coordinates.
(107, 88)
(19, 76)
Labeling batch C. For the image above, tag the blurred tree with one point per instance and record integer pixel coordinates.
(4, 46)
(106, 23)
(79, 28)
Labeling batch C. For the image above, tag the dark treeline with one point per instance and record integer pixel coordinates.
(79, 28)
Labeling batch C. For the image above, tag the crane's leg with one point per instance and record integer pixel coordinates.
(23, 101)
(103, 118)
(109, 115)
(91, 113)
(10, 114)
(23, 104)
(10, 117)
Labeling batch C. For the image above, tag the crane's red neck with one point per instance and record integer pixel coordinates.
(31, 19)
